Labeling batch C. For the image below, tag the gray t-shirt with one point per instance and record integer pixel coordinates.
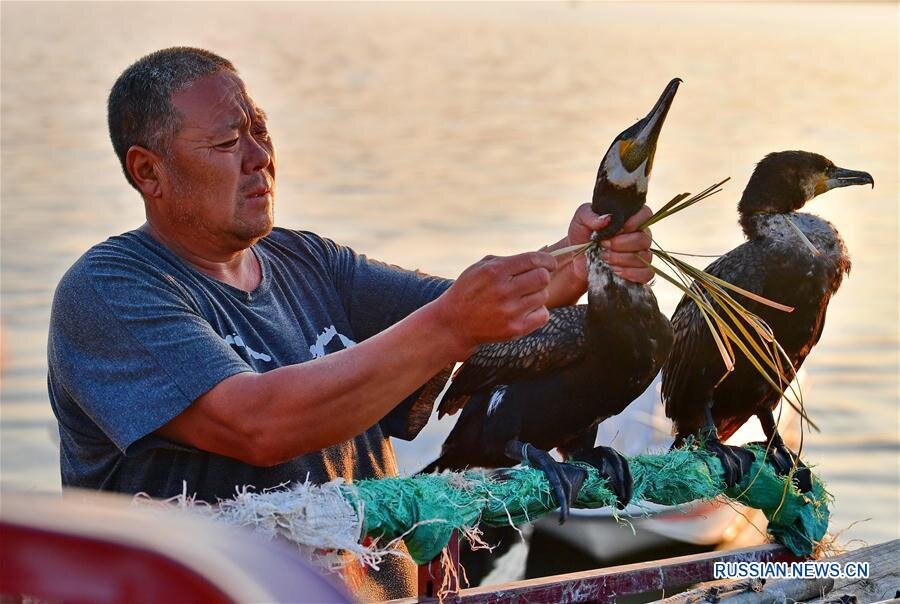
(136, 335)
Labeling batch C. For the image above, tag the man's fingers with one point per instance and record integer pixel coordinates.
(585, 216)
(629, 242)
(526, 314)
(536, 279)
(638, 275)
(500, 298)
(579, 266)
(637, 219)
(534, 320)
(522, 263)
(627, 259)
(534, 301)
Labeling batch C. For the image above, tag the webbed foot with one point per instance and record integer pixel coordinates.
(613, 466)
(736, 461)
(786, 461)
(565, 479)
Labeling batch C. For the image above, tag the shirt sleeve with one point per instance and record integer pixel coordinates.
(129, 349)
(376, 295)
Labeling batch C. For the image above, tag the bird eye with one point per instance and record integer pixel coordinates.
(227, 144)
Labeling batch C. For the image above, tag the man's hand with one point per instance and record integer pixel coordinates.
(621, 249)
(498, 298)
(570, 281)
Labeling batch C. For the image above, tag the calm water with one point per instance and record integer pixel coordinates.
(430, 134)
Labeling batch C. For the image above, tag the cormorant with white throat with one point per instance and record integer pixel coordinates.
(550, 389)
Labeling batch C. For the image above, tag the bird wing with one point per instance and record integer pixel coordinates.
(560, 342)
(690, 371)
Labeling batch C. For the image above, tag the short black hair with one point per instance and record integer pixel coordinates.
(140, 110)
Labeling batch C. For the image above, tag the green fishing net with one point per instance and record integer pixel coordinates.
(425, 509)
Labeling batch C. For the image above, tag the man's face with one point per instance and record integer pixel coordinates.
(221, 165)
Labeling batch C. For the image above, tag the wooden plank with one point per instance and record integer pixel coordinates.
(884, 574)
(883, 582)
(605, 585)
(755, 591)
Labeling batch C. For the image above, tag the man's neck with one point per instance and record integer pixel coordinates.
(239, 268)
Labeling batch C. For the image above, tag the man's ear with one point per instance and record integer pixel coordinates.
(144, 168)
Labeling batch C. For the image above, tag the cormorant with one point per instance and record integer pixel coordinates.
(777, 264)
(519, 399)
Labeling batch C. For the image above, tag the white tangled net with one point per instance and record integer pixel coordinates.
(318, 519)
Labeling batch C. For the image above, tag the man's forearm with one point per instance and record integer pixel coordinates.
(345, 393)
(268, 418)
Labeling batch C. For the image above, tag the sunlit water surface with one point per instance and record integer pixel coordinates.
(430, 134)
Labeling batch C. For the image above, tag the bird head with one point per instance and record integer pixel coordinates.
(621, 187)
(784, 181)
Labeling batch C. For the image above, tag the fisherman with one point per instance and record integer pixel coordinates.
(208, 350)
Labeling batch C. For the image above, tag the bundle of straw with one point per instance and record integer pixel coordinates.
(730, 324)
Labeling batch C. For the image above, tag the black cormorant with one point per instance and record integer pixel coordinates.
(777, 264)
(519, 399)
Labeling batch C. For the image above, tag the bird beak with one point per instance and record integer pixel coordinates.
(640, 148)
(842, 177)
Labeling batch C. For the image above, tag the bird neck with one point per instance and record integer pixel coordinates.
(608, 292)
(757, 225)
(620, 202)
(780, 229)
(769, 192)
(600, 278)
(752, 223)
